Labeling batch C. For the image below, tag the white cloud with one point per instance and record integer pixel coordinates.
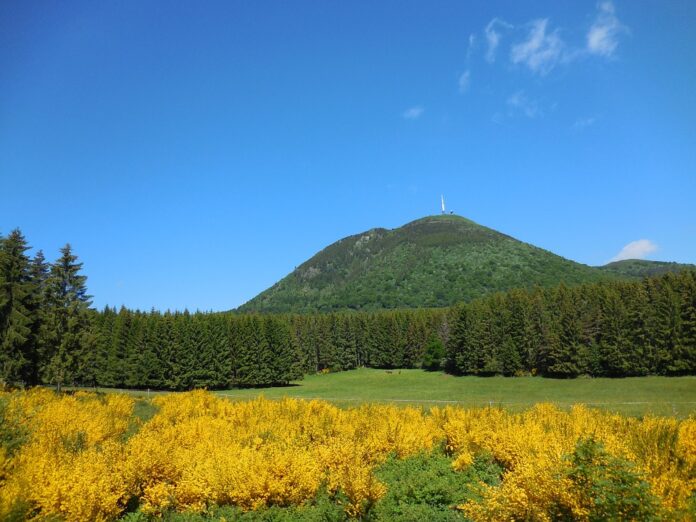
(464, 81)
(603, 36)
(541, 52)
(519, 102)
(472, 45)
(493, 37)
(582, 123)
(635, 250)
(413, 113)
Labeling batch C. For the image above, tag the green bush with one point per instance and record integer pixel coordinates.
(610, 487)
(426, 488)
(434, 355)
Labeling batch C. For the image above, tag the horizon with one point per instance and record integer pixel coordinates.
(193, 155)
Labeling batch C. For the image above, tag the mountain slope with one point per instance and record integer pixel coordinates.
(433, 261)
(639, 268)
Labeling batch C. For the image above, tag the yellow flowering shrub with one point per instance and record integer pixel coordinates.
(198, 451)
(532, 447)
(70, 465)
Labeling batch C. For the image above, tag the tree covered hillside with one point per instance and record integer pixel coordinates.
(639, 268)
(431, 262)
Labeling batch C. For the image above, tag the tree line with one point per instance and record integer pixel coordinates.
(50, 334)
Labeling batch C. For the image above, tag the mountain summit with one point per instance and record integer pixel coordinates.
(433, 261)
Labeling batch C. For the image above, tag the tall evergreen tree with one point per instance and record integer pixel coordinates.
(18, 312)
(280, 354)
(688, 322)
(344, 340)
(560, 354)
(68, 343)
(253, 355)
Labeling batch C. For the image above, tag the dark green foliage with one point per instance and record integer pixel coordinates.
(612, 487)
(19, 316)
(431, 262)
(425, 487)
(640, 268)
(49, 333)
(433, 358)
(69, 347)
(603, 329)
(279, 358)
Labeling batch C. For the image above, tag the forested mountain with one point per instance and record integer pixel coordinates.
(639, 268)
(431, 262)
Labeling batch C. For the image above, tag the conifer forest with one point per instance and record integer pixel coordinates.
(50, 334)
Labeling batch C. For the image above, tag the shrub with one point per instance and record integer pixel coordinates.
(609, 488)
(434, 355)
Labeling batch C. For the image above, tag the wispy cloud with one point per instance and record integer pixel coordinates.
(635, 250)
(540, 51)
(464, 81)
(472, 45)
(603, 36)
(542, 48)
(582, 123)
(493, 37)
(413, 113)
(519, 102)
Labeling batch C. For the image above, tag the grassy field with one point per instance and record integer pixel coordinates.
(637, 396)
(631, 396)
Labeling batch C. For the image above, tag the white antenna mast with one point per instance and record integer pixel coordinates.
(442, 200)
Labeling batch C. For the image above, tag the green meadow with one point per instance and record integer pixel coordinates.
(636, 396)
(630, 395)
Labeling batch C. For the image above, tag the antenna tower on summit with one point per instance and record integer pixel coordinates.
(442, 203)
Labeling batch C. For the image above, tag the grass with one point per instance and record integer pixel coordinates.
(634, 396)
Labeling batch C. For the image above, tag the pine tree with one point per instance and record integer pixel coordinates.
(164, 339)
(280, 355)
(323, 340)
(688, 321)
(459, 349)
(216, 335)
(251, 364)
(416, 339)
(489, 340)
(344, 340)
(67, 340)
(614, 345)
(560, 353)
(665, 325)
(18, 313)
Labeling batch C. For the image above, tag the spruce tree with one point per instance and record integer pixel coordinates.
(345, 342)
(280, 355)
(688, 321)
(67, 342)
(18, 313)
(665, 324)
(614, 345)
(560, 353)
(253, 354)
(216, 335)
(459, 349)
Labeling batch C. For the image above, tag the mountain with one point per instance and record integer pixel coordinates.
(639, 268)
(430, 262)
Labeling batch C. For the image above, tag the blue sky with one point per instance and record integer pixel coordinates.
(195, 152)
